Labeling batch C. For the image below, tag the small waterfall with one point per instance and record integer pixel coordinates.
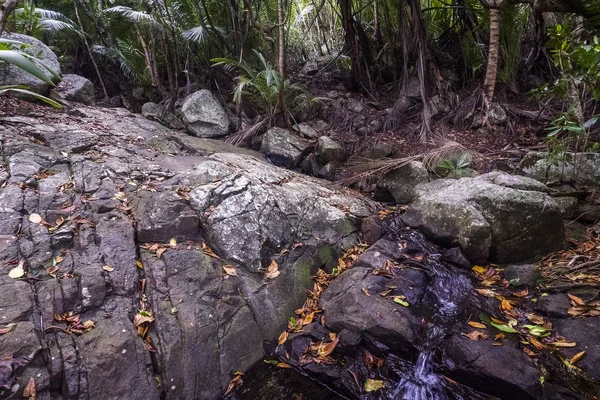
(446, 293)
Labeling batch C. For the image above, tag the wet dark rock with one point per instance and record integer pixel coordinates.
(588, 212)
(74, 88)
(284, 148)
(456, 257)
(372, 229)
(568, 206)
(522, 274)
(576, 231)
(553, 305)
(400, 184)
(584, 332)
(310, 165)
(484, 367)
(488, 221)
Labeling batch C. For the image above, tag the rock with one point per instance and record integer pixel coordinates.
(522, 274)
(329, 150)
(371, 229)
(149, 184)
(576, 231)
(584, 332)
(139, 93)
(487, 221)
(283, 148)
(158, 113)
(115, 101)
(588, 211)
(496, 116)
(568, 206)
(13, 75)
(74, 88)
(203, 115)
(311, 165)
(412, 88)
(584, 168)
(513, 181)
(553, 305)
(306, 130)
(400, 183)
(355, 106)
(310, 68)
(329, 171)
(483, 367)
(456, 257)
(377, 150)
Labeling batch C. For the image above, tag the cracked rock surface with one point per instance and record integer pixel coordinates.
(107, 183)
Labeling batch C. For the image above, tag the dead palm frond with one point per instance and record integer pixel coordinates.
(246, 133)
(368, 170)
(469, 107)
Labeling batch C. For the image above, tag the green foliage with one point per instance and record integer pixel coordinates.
(263, 86)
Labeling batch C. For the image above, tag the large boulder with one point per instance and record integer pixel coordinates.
(214, 222)
(284, 148)
(490, 222)
(74, 88)
(159, 113)
(204, 116)
(13, 75)
(583, 168)
(399, 185)
(329, 150)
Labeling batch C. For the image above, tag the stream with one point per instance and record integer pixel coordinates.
(445, 299)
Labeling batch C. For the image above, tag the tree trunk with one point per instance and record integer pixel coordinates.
(6, 8)
(489, 85)
(352, 46)
(281, 63)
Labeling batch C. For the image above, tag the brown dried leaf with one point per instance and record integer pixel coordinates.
(564, 344)
(576, 300)
(370, 360)
(230, 270)
(506, 305)
(536, 319)
(272, 270)
(35, 218)
(476, 335)
(108, 268)
(365, 291)
(140, 319)
(283, 337)
(160, 252)
(30, 391)
(234, 384)
(281, 364)
(7, 329)
(486, 292)
(154, 247)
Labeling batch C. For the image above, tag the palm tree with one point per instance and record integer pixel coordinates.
(489, 85)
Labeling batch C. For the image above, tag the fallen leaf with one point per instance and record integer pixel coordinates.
(174, 310)
(89, 325)
(476, 325)
(235, 383)
(503, 328)
(173, 243)
(230, 270)
(398, 300)
(283, 337)
(139, 264)
(7, 329)
(577, 357)
(521, 293)
(17, 272)
(372, 385)
(35, 218)
(142, 317)
(506, 305)
(281, 364)
(478, 269)
(365, 291)
(576, 300)
(529, 352)
(564, 344)
(324, 349)
(486, 292)
(272, 270)
(30, 391)
(476, 335)
(536, 319)
(108, 268)
(160, 251)
(154, 247)
(370, 360)
(537, 330)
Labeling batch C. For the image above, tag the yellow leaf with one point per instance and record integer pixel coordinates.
(371, 385)
(108, 268)
(173, 242)
(272, 270)
(478, 269)
(564, 344)
(139, 264)
(476, 335)
(17, 272)
(506, 305)
(476, 325)
(577, 357)
(283, 337)
(35, 218)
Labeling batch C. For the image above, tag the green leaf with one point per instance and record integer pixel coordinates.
(21, 89)
(398, 300)
(503, 328)
(23, 62)
(538, 330)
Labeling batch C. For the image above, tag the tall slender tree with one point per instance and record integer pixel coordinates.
(489, 85)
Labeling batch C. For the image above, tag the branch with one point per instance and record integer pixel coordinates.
(5, 9)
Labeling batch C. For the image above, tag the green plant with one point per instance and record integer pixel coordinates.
(263, 86)
(13, 52)
(455, 167)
